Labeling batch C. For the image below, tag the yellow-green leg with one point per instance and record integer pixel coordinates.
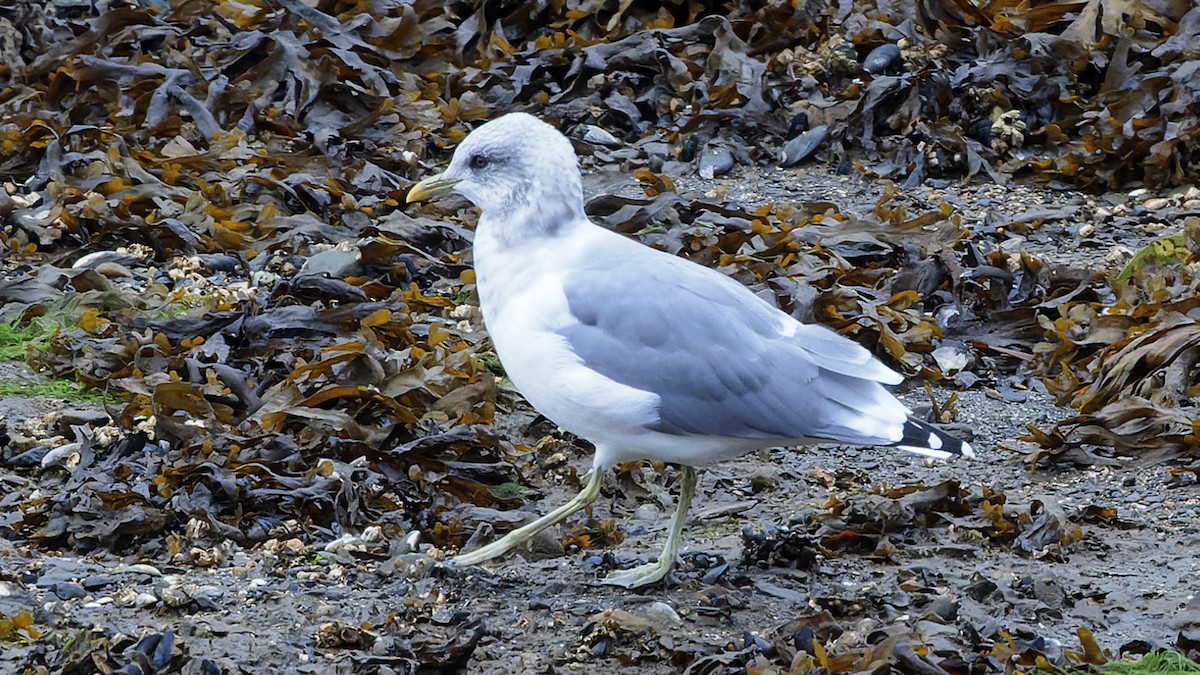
(652, 572)
(522, 535)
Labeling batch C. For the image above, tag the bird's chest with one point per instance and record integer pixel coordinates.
(523, 304)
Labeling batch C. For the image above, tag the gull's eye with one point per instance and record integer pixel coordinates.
(478, 161)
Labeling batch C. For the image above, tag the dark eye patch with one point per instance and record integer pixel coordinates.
(479, 161)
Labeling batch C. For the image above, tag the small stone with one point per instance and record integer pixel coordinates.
(174, 597)
(68, 590)
(98, 581)
(882, 59)
(335, 262)
(647, 512)
(797, 125)
(94, 260)
(144, 600)
(597, 136)
(82, 416)
(413, 565)
(662, 615)
(764, 478)
(944, 608)
(208, 596)
(1118, 255)
(219, 262)
(30, 458)
(65, 455)
(804, 145)
(716, 161)
(1157, 203)
(126, 597)
(1049, 591)
(950, 359)
(113, 270)
(141, 568)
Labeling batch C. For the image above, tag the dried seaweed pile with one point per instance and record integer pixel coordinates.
(204, 201)
(1128, 364)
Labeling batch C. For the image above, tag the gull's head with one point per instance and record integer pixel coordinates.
(515, 167)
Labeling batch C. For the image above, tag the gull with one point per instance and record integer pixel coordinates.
(647, 355)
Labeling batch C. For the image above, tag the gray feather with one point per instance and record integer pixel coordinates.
(713, 354)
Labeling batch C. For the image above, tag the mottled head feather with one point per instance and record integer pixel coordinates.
(522, 174)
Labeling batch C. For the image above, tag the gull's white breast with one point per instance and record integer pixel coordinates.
(523, 303)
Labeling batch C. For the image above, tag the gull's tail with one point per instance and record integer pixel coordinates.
(930, 441)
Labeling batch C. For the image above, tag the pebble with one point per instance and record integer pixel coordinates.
(98, 581)
(1049, 591)
(662, 614)
(144, 599)
(208, 596)
(219, 262)
(113, 270)
(29, 458)
(944, 608)
(716, 161)
(1118, 255)
(412, 540)
(597, 136)
(94, 260)
(62, 455)
(764, 478)
(82, 416)
(797, 125)
(950, 359)
(334, 262)
(647, 512)
(1157, 203)
(174, 597)
(68, 590)
(882, 59)
(141, 568)
(414, 565)
(61, 570)
(688, 152)
(804, 145)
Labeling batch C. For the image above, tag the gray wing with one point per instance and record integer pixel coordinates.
(714, 354)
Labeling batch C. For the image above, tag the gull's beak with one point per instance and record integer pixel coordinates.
(428, 188)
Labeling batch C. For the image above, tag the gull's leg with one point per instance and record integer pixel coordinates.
(652, 572)
(523, 534)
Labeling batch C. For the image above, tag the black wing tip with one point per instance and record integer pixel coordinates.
(928, 440)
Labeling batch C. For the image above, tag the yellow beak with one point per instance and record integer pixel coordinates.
(428, 188)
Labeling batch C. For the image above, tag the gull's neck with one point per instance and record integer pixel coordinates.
(534, 221)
